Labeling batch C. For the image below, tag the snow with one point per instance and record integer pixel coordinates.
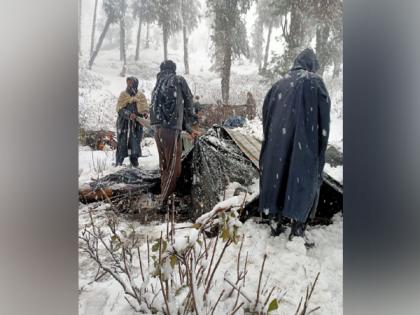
(289, 266)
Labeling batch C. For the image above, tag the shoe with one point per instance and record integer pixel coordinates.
(277, 229)
(298, 230)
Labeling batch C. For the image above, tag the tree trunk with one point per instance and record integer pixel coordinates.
(138, 40)
(122, 32)
(337, 66)
(185, 36)
(165, 43)
(267, 47)
(322, 33)
(227, 62)
(79, 33)
(92, 39)
(147, 36)
(99, 44)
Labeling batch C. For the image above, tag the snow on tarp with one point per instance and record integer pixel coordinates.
(223, 156)
(251, 147)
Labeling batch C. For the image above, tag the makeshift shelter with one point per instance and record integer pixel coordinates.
(217, 159)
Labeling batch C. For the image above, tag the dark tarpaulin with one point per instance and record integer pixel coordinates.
(210, 166)
(296, 118)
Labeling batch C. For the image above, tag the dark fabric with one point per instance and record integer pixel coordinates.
(169, 147)
(129, 133)
(171, 105)
(216, 161)
(234, 122)
(296, 118)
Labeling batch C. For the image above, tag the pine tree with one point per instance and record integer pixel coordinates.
(92, 39)
(228, 36)
(79, 33)
(123, 8)
(113, 13)
(169, 19)
(270, 20)
(190, 17)
(145, 11)
(257, 42)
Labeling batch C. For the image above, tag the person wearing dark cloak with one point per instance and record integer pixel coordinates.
(131, 103)
(171, 111)
(296, 119)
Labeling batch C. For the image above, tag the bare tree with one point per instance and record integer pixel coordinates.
(79, 33)
(113, 12)
(190, 17)
(92, 39)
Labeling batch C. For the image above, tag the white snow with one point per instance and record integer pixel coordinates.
(290, 266)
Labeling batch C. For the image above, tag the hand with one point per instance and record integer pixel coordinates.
(195, 134)
(133, 116)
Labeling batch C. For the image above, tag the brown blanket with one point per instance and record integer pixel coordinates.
(126, 99)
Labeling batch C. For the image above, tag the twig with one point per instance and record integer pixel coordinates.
(237, 309)
(243, 294)
(217, 302)
(259, 281)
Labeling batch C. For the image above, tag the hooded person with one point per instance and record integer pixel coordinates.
(171, 112)
(296, 119)
(131, 103)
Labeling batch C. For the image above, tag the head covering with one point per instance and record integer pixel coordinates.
(306, 60)
(134, 87)
(168, 65)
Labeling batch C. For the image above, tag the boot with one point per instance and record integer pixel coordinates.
(274, 221)
(298, 230)
(134, 161)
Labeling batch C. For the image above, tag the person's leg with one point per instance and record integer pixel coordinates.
(172, 161)
(134, 160)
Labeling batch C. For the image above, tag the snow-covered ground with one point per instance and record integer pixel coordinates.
(289, 265)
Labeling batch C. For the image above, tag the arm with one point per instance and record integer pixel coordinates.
(122, 102)
(141, 101)
(265, 110)
(324, 107)
(188, 105)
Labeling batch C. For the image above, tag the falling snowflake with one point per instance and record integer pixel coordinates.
(284, 131)
(279, 96)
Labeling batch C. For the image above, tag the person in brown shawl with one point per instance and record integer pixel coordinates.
(131, 104)
(171, 112)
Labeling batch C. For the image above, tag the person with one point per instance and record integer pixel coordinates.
(197, 109)
(171, 112)
(251, 105)
(296, 118)
(131, 103)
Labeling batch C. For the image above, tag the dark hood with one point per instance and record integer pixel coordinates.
(133, 90)
(306, 60)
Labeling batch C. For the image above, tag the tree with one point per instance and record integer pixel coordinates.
(228, 36)
(328, 15)
(270, 19)
(113, 13)
(92, 39)
(145, 11)
(257, 42)
(123, 7)
(169, 19)
(79, 33)
(190, 17)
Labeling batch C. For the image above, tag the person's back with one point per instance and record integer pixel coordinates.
(171, 112)
(296, 127)
(171, 105)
